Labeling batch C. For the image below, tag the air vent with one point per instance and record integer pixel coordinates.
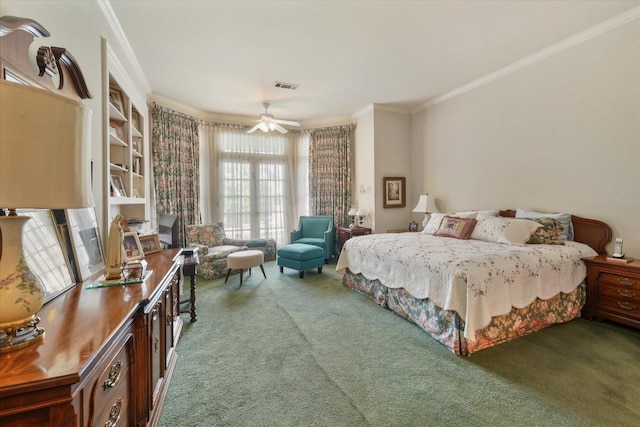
(289, 86)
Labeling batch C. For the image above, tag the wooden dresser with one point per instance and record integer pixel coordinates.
(613, 291)
(107, 357)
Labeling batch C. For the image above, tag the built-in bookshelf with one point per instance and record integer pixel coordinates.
(126, 164)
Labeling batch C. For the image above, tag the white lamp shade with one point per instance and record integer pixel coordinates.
(352, 212)
(361, 213)
(426, 204)
(44, 149)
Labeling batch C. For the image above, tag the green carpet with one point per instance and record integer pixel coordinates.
(310, 352)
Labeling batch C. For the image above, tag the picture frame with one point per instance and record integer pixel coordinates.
(394, 192)
(150, 244)
(118, 186)
(131, 247)
(413, 226)
(115, 98)
(85, 241)
(116, 128)
(44, 252)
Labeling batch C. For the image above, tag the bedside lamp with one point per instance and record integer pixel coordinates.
(352, 214)
(426, 205)
(360, 214)
(44, 164)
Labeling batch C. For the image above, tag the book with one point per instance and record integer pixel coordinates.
(623, 260)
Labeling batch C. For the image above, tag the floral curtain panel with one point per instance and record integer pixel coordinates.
(175, 148)
(330, 172)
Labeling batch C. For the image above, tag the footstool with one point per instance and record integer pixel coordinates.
(244, 259)
(301, 257)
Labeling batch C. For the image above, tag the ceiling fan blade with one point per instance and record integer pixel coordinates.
(255, 128)
(279, 128)
(287, 122)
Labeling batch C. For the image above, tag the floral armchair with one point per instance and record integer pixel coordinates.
(213, 248)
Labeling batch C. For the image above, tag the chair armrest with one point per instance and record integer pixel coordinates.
(201, 249)
(295, 235)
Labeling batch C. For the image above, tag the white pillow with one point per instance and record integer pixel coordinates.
(512, 231)
(434, 223)
(475, 214)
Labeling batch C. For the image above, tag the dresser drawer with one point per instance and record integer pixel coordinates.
(109, 401)
(618, 280)
(620, 305)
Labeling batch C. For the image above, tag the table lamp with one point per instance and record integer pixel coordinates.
(352, 214)
(426, 205)
(360, 214)
(44, 164)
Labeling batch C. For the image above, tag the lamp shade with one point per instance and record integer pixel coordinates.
(44, 149)
(352, 212)
(426, 204)
(361, 213)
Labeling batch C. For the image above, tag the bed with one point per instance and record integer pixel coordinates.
(475, 292)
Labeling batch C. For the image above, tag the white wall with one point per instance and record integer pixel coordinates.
(392, 136)
(562, 134)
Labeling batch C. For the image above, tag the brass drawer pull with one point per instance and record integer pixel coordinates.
(625, 293)
(626, 305)
(626, 282)
(114, 416)
(114, 376)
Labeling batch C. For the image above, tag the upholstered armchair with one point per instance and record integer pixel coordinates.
(213, 248)
(316, 230)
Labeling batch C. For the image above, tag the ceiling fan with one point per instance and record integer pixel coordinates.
(268, 123)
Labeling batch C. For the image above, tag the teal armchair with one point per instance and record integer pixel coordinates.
(316, 230)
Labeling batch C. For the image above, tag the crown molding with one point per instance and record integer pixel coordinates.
(581, 37)
(114, 24)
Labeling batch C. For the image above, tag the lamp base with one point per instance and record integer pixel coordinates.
(20, 335)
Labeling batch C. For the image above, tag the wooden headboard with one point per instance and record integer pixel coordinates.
(591, 232)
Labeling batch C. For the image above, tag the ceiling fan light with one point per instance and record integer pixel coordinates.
(264, 127)
(272, 126)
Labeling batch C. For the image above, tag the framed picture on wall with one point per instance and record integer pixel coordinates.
(394, 192)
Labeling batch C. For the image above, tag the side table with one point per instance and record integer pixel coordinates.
(189, 264)
(345, 233)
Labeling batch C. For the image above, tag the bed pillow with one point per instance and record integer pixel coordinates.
(434, 223)
(564, 218)
(511, 231)
(547, 234)
(475, 214)
(458, 228)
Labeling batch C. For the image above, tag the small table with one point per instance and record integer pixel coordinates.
(345, 233)
(189, 265)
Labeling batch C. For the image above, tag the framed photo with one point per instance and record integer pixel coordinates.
(413, 226)
(45, 254)
(150, 244)
(394, 192)
(85, 241)
(131, 246)
(115, 98)
(116, 128)
(118, 186)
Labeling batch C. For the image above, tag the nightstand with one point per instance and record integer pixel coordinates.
(345, 233)
(613, 291)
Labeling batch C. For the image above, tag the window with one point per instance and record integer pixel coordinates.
(259, 185)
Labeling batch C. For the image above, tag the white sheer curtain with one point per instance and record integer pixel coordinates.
(256, 184)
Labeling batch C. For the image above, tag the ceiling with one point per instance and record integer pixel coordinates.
(225, 56)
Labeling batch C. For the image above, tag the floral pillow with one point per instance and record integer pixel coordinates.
(512, 231)
(564, 218)
(458, 228)
(548, 234)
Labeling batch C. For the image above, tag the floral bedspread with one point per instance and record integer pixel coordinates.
(476, 279)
